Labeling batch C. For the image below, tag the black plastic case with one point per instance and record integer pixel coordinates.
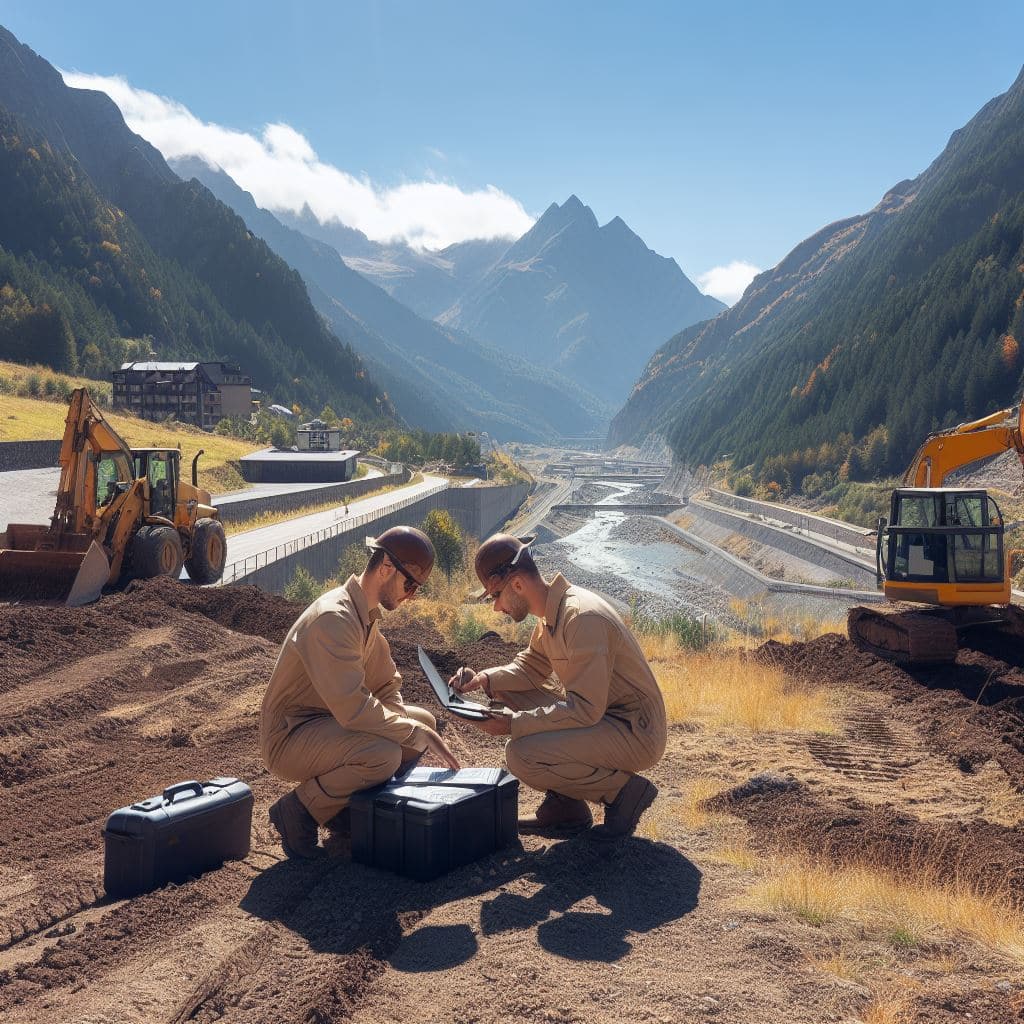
(433, 820)
(190, 828)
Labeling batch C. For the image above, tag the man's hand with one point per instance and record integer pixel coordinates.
(495, 726)
(440, 749)
(466, 679)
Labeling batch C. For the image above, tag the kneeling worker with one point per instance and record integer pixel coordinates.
(333, 718)
(587, 738)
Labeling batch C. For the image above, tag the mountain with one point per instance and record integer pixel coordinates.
(427, 282)
(588, 301)
(438, 377)
(874, 332)
(106, 253)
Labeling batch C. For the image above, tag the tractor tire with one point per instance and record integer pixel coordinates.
(205, 562)
(157, 551)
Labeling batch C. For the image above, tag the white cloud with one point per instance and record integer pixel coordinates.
(728, 283)
(281, 170)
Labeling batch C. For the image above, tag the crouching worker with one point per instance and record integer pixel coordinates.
(588, 735)
(333, 719)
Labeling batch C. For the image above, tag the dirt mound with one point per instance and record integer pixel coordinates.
(789, 817)
(972, 710)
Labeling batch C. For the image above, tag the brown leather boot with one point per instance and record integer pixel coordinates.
(341, 823)
(296, 827)
(622, 815)
(557, 815)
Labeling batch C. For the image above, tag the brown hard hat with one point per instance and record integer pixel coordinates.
(499, 554)
(409, 547)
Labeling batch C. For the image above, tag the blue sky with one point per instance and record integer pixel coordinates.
(719, 136)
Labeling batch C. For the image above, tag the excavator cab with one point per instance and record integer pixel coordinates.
(943, 546)
(160, 468)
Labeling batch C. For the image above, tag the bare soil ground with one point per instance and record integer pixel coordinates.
(108, 704)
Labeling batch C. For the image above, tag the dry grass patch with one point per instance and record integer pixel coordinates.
(727, 689)
(905, 912)
(761, 622)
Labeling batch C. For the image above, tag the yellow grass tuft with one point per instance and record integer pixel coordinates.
(904, 911)
(739, 855)
(724, 688)
(838, 963)
(889, 1006)
(762, 622)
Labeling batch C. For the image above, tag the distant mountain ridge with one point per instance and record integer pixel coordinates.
(98, 234)
(887, 325)
(586, 300)
(438, 378)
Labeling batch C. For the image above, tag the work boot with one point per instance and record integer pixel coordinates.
(296, 826)
(623, 813)
(557, 815)
(341, 823)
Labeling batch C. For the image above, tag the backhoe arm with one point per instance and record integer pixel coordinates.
(946, 452)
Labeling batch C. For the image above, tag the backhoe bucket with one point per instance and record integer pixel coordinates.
(29, 572)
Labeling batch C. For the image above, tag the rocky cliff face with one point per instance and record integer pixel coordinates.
(587, 300)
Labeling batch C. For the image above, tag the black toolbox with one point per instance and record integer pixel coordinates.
(433, 820)
(189, 828)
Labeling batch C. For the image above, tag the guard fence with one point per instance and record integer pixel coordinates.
(241, 568)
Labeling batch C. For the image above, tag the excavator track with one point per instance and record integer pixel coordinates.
(906, 638)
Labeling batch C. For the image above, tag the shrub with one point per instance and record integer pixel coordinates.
(303, 587)
(466, 628)
(690, 631)
(33, 385)
(352, 562)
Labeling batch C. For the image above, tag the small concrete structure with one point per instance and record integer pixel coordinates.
(290, 466)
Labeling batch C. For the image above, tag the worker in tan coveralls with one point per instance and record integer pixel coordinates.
(333, 719)
(587, 736)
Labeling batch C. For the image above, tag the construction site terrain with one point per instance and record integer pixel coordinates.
(920, 777)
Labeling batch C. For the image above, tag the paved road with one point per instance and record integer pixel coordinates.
(28, 495)
(252, 542)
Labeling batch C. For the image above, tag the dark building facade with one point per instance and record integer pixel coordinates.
(191, 392)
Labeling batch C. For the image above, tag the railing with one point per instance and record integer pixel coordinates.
(235, 571)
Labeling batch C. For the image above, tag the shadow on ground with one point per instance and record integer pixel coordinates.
(590, 899)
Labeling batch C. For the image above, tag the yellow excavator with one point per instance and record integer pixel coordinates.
(120, 513)
(943, 547)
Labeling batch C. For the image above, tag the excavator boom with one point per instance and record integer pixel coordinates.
(948, 451)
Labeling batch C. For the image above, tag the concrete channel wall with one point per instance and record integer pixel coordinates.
(478, 511)
(845, 532)
(839, 565)
(15, 455)
(236, 510)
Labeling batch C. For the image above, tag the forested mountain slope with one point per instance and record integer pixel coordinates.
(105, 254)
(870, 334)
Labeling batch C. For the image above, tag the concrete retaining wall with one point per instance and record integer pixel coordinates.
(28, 455)
(477, 510)
(233, 510)
(845, 532)
(839, 566)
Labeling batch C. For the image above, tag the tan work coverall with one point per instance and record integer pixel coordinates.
(333, 718)
(608, 723)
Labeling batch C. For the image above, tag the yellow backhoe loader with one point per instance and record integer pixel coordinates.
(120, 513)
(943, 547)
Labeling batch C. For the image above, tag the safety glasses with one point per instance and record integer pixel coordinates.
(411, 583)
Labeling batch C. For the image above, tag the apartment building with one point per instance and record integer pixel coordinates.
(192, 392)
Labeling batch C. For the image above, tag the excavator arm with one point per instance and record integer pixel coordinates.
(948, 451)
(68, 559)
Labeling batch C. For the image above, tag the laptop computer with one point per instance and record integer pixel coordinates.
(453, 701)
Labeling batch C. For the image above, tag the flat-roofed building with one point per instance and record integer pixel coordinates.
(196, 392)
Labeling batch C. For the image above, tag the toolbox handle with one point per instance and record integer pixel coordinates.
(195, 788)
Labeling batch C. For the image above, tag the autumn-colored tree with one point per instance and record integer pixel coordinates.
(445, 535)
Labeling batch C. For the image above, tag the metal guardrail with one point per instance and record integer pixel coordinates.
(237, 570)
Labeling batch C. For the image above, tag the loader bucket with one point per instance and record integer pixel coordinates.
(32, 573)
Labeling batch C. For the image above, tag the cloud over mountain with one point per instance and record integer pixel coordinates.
(728, 283)
(283, 172)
